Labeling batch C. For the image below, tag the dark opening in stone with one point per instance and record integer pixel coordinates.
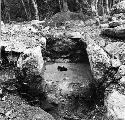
(67, 77)
(70, 54)
(8, 58)
(73, 82)
(66, 50)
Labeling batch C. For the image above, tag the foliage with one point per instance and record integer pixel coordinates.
(20, 10)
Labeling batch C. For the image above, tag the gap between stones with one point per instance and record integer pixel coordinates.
(66, 85)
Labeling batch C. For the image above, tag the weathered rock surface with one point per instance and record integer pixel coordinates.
(3, 28)
(118, 8)
(2, 23)
(18, 37)
(32, 61)
(114, 100)
(122, 80)
(73, 35)
(29, 73)
(120, 16)
(69, 89)
(99, 60)
(36, 22)
(118, 32)
(104, 25)
(115, 62)
(115, 104)
(116, 23)
(121, 70)
(117, 49)
(15, 108)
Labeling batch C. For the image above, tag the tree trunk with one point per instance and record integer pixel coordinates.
(84, 5)
(29, 12)
(60, 5)
(107, 6)
(94, 7)
(35, 9)
(63, 5)
(110, 4)
(80, 5)
(6, 12)
(25, 9)
(103, 9)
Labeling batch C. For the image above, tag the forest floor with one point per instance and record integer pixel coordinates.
(18, 37)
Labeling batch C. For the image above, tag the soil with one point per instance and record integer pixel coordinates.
(75, 71)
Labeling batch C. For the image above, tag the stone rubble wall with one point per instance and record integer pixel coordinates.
(100, 57)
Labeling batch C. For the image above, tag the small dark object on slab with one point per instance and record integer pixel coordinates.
(62, 68)
(3, 55)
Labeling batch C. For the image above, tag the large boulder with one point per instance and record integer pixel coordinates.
(117, 32)
(118, 16)
(99, 60)
(29, 72)
(115, 104)
(116, 23)
(118, 8)
(116, 49)
(32, 61)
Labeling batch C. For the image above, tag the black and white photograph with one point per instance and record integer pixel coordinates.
(62, 60)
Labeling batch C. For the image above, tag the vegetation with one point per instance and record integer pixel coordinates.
(22, 10)
(66, 32)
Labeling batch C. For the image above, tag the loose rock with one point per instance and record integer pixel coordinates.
(121, 70)
(73, 35)
(32, 60)
(114, 32)
(116, 48)
(122, 80)
(115, 62)
(116, 23)
(99, 60)
(115, 105)
(118, 8)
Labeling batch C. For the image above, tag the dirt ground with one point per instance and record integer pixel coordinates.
(17, 36)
